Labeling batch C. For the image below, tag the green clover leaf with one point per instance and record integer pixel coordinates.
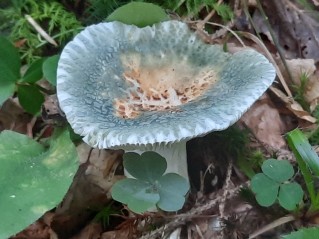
(150, 188)
(278, 170)
(272, 185)
(290, 195)
(266, 189)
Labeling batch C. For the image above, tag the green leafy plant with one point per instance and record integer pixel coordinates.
(33, 178)
(272, 185)
(49, 68)
(139, 14)
(304, 233)
(51, 15)
(150, 188)
(30, 94)
(98, 10)
(193, 7)
(308, 162)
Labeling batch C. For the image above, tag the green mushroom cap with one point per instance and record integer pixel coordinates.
(121, 85)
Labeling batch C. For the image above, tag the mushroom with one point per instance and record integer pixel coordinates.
(154, 88)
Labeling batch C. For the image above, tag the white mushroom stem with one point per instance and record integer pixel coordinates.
(175, 155)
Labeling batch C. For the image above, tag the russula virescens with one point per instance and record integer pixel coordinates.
(154, 88)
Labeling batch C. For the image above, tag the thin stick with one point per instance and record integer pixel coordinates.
(225, 27)
(182, 218)
(40, 30)
(272, 225)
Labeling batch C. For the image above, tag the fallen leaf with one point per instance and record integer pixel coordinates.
(295, 29)
(263, 119)
(293, 106)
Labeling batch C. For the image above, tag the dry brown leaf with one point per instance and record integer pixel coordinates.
(293, 106)
(264, 121)
(298, 67)
(13, 117)
(295, 29)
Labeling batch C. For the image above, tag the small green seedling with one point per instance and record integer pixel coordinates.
(272, 185)
(149, 187)
(105, 213)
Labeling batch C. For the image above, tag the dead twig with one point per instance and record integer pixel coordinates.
(40, 30)
(272, 225)
(195, 212)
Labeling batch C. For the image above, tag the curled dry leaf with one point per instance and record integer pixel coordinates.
(293, 106)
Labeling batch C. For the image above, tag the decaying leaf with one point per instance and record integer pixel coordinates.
(293, 106)
(264, 121)
(12, 117)
(296, 30)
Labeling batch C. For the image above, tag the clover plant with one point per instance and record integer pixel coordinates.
(150, 187)
(273, 184)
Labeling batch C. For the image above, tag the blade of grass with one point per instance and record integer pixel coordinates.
(307, 159)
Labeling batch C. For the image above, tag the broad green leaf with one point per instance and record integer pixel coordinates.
(172, 191)
(306, 158)
(140, 14)
(30, 98)
(266, 189)
(304, 233)
(278, 170)
(34, 72)
(32, 180)
(50, 67)
(9, 59)
(290, 195)
(149, 166)
(139, 196)
(6, 90)
(9, 69)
